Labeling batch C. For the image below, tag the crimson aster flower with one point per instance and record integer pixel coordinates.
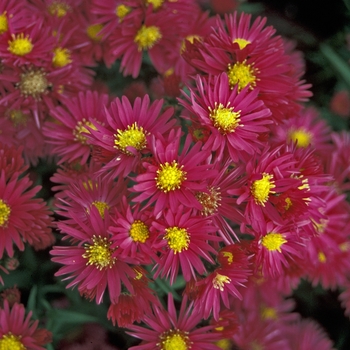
(174, 179)
(169, 331)
(18, 331)
(235, 119)
(185, 240)
(125, 137)
(91, 264)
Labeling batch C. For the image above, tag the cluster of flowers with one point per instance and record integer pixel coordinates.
(237, 187)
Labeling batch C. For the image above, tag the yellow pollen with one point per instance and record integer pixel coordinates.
(5, 212)
(156, 3)
(191, 39)
(33, 83)
(101, 206)
(99, 253)
(169, 72)
(134, 136)
(11, 342)
(322, 257)
(242, 43)
(301, 137)
(224, 118)
(273, 241)
(61, 57)
(18, 117)
(210, 201)
(81, 128)
(3, 23)
(321, 226)
(219, 280)
(178, 239)
(268, 313)
(121, 11)
(261, 189)
(288, 203)
(58, 8)
(88, 185)
(344, 247)
(93, 31)
(174, 340)
(146, 37)
(170, 176)
(139, 231)
(242, 74)
(139, 274)
(20, 45)
(229, 257)
(224, 344)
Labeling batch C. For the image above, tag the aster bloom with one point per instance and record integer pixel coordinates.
(184, 241)
(67, 132)
(132, 232)
(91, 264)
(13, 16)
(234, 119)
(169, 331)
(18, 331)
(127, 133)
(174, 178)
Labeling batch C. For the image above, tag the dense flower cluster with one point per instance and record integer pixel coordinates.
(235, 186)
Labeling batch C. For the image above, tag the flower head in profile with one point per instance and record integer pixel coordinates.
(169, 331)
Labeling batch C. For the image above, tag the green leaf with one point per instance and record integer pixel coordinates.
(31, 304)
(340, 66)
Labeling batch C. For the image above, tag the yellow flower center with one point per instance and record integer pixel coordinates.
(268, 313)
(210, 201)
(178, 239)
(242, 43)
(242, 74)
(191, 39)
(174, 340)
(58, 8)
(170, 176)
(288, 202)
(224, 118)
(101, 207)
(81, 128)
(99, 253)
(93, 31)
(261, 189)
(3, 23)
(229, 257)
(301, 137)
(220, 280)
(5, 212)
(322, 257)
(61, 57)
(121, 11)
(18, 117)
(11, 342)
(134, 136)
(139, 231)
(156, 3)
(146, 37)
(273, 241)
(33, 83)
(20, 45)
(321, 226)
(224, 344)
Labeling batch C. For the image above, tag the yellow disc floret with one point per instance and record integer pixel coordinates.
(58, 8)
(5, 212)
(99, 253)
(156, 3)
(81, 128)
(220, 280)
(262, 188)
(268, 313)
(3, 23)
(146, 37)
(101, 207)
(170, 176)
(224, 118)
(121, 11)
(139, 231)
(241, 74)
(210, 201)
(33, 83)
(322, 257)
(61, 57)
(242, 43)
(301, 137)
(93, 31)
(273, 241)
(191, 39)
(133, 136)
(174, 340)
(178, 239)
(20, 45)
(11, 342)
